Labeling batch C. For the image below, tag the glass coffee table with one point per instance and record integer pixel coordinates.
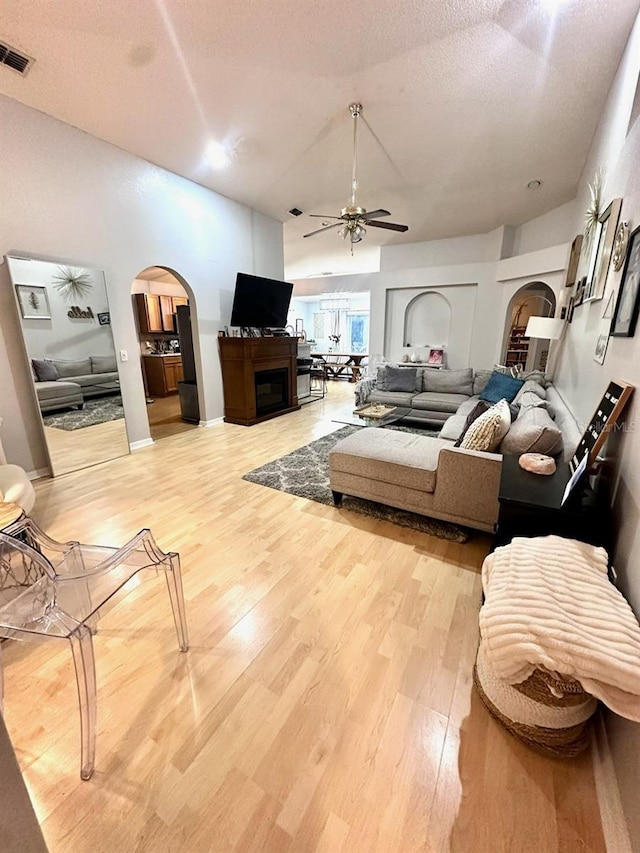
(379, 419)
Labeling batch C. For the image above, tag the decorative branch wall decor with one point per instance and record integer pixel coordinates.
(73, 285)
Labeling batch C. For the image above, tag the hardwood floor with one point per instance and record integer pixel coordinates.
(326, 701)
(165, 418)
(74, 449)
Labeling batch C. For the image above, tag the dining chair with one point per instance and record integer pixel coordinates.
(57, 590)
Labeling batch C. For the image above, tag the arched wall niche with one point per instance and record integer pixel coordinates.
(427, 321)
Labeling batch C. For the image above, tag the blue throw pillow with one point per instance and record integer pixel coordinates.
(501, 387)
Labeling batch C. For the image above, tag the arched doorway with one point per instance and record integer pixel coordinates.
(164, 306)
(534, 299)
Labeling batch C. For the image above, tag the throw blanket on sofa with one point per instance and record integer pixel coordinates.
(549, 604)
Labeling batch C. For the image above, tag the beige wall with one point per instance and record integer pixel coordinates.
(78, 200)
(616, 150)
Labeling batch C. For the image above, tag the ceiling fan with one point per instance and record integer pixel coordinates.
(353, 218)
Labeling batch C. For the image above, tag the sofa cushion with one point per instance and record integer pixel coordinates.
(449, 381)
(480, 408)
(533, 431)
(537, 376)
(501, 387)
(438, 402)
(529, 399)
(58, 390)
(468, 406)
(488, 429)
(392, 378)
(45, 370)
(103, 364)
(453, 427)
(389, 457)
(392, 398)
(82, 367)
(480, 379)
(530, 386)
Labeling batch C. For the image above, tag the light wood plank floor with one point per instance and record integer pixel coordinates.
(326, 701)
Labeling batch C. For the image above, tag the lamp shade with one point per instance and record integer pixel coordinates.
(547, 328)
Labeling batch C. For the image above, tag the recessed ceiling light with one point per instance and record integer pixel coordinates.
(217, 156)
(534, 185)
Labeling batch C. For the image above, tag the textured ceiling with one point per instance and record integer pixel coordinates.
(466, 101)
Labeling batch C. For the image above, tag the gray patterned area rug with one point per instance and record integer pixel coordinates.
(305, 473)
(96, 411)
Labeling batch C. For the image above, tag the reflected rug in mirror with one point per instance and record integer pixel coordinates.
(305, 473)
(97, 410)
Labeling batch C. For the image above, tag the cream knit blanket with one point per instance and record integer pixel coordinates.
(550, 604)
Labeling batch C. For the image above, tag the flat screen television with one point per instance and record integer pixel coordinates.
(260, 302)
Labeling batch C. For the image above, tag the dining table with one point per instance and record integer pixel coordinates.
(339, 364)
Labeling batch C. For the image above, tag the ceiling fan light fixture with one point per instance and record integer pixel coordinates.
(358, 234)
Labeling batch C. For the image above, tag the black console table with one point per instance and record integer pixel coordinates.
(530, 505)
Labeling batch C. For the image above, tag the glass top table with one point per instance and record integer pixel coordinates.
(355, 418)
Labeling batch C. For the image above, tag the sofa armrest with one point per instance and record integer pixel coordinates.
(467, 483)
(363, 390)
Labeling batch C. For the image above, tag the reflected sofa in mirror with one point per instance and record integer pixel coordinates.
(64, 314)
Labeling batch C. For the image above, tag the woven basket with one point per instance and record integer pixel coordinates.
(555, 725)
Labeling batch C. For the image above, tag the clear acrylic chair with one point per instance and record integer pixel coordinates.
(57, 590)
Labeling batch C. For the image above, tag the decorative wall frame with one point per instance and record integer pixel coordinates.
(601, 347)
(626, 314)
(574, 260)
(33, 301)
(605, 237)
(620, 246)
(104, 318)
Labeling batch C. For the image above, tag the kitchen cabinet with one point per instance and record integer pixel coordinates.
(149, 313)
(167, 310)
(179, 300)
(162, 374)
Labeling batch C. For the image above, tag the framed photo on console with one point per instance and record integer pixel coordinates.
(626, 315)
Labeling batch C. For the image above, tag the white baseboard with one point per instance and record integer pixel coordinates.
(39, 472)
(614, 825)
(207, 424)
(138, 445)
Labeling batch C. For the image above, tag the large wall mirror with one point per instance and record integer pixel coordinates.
(66, 327)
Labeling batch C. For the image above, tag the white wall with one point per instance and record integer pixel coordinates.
(493, 282)
(77, 200)
(454, 250)
(556, 226)
(582, 381)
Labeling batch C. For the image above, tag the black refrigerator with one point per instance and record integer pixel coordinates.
(188, 388)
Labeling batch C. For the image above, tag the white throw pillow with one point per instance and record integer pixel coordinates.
(487, 431)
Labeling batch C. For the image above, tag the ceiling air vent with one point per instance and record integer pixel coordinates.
(12, 58)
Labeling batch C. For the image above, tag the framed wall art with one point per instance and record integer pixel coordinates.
(605, 237)
(626, 314)
(574, 259)
(33, 302)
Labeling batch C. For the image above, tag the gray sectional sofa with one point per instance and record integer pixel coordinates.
(60, 384)
(432, 476)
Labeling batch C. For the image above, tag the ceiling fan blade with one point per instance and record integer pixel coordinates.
(391, 226)
(322, 216)
(319, 230)
(376, 214)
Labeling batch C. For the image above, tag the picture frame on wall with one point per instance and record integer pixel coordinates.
(574, 260)
(625, 318)
(33, 302)
(606, 235)
(104, 318)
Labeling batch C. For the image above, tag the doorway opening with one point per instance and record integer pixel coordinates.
(164, 307)
(535, 299)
